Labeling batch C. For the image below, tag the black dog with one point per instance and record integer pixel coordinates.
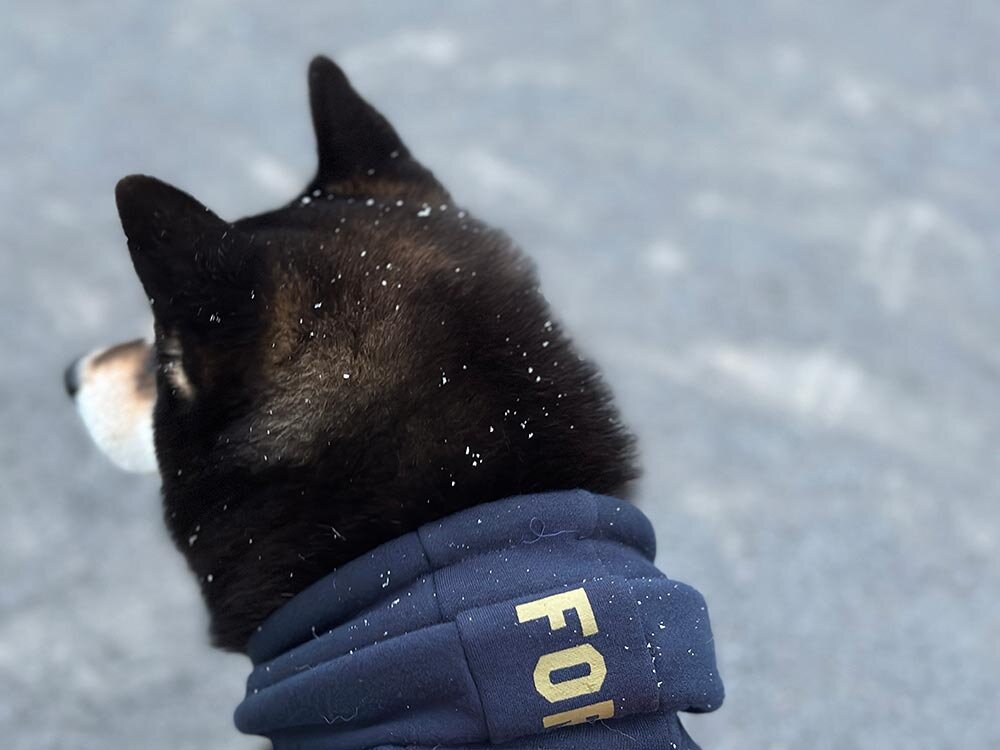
(339, 372)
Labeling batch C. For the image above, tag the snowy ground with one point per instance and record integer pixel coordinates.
(775, 226)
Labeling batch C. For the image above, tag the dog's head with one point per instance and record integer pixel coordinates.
(336, 372)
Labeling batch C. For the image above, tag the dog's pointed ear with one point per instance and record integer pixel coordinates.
(186, 257)
(359, 151)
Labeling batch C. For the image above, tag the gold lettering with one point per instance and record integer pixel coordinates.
(593, 712)
(555, 607)
(577, 686)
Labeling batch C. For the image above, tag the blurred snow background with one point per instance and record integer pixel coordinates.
(775, 225)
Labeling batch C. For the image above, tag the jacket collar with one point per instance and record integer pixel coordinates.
(538, 621)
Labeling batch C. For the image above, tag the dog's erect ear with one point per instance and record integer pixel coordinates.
(359, 151)
(189, 261)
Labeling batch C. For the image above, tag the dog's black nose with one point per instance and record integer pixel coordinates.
(71, 378)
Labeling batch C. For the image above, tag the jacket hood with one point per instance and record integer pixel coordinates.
(534, 622)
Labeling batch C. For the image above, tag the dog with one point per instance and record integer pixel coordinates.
(342, 372)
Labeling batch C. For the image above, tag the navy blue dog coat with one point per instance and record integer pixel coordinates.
(536, 622)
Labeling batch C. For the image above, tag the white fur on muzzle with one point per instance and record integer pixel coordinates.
(114, 391)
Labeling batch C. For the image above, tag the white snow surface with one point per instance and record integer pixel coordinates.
(774, 224)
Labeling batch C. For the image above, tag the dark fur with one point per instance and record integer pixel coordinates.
(462, 389)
